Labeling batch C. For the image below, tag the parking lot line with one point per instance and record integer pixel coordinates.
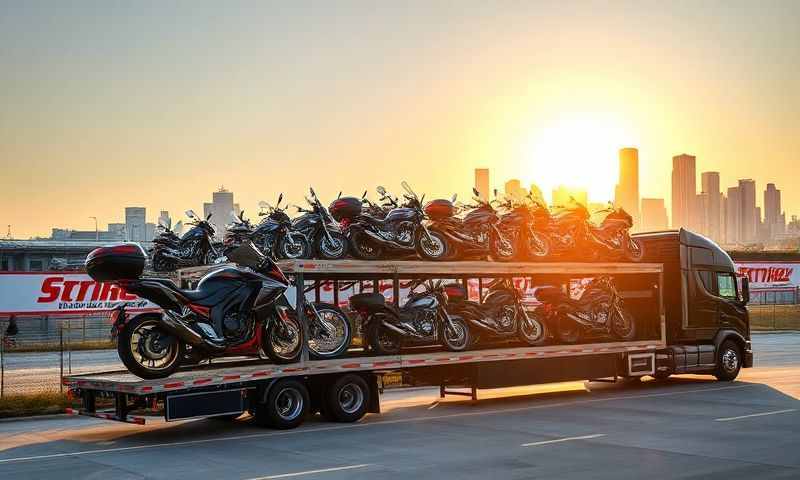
(312, 472)
(380, 422)
(762, 414)
(565, 439)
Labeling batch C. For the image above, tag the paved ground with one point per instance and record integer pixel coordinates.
(687, 427)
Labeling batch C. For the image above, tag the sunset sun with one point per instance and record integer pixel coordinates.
(578, 151)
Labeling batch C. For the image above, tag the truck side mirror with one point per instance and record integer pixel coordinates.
(745, 290)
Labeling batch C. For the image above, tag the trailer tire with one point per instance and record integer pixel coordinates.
(729, 361)
(346, 400)
(286, 405)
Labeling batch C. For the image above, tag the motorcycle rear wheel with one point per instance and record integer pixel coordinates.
(363, 247)
(567, 330)
(148, 351)
(538, 247)
(623, 326)
(502, 252)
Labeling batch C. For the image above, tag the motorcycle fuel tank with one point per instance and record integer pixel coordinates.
(400, 214)
(478, 217)
(422, 301)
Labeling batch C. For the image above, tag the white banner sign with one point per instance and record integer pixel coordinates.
(770, 274)
(61, 293)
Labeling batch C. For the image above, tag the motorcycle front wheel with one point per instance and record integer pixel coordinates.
(531, 330)
(433, 246)
(333, 249)
(298, 247)
(147, 350)
(283, 340)
(634, 250)
(456, 337)
(538, 246)
(623, 325)
(330, 333)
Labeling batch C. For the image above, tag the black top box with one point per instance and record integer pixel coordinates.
(124, 261)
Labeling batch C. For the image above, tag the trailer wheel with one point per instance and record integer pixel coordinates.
(346, 399)
(729, 361)
(286, 406)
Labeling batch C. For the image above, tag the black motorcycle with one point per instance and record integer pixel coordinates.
(599, 312)
(324, 233)
(499, 316)
(423, 320)
(525, 225)
(234, 311)
(274, 234)
(400, 233)
(195, 248)
(478, 234)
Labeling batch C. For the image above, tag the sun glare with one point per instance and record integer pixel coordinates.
(579, 152)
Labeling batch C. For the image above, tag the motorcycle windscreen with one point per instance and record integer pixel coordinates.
(247, 254)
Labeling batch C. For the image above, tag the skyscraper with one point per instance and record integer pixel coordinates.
(654, 215)
(482, 182)
(710, 186)
(733, 214)
(774, 219)
(135, 229)
(221, 209)
(748, 223)
(626, 194)
(684, 190)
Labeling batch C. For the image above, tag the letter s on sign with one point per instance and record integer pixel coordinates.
(51, 287)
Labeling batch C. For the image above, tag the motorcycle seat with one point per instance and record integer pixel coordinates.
(193, 296)
(550, 295)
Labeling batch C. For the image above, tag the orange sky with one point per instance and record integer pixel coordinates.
(152, 105)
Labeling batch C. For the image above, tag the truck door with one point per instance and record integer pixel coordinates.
(733, 312)
(703, 300)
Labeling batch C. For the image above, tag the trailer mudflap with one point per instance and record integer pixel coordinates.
(181, 406)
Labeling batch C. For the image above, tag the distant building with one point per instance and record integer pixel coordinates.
(654, 215)
(482, 182)
(163, 218)
(513, 189)
(222, 209)
(66, 235)
(626, 193)
(684, 190)
(748, 222)
(563, 195)
(774, 218)
(733, 214)
(713, 208)
(135, 228)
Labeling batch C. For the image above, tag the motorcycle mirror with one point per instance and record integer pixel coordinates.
(476, 192)
(263, 204)
(381, 190)
(190, 214)
(313, 193)
(495, 192)
(209, 215)
(453, 199)
(405, 186)
(280, 198)
(340, 195)
(364, 195)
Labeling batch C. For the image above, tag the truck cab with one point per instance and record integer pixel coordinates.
(705, 305)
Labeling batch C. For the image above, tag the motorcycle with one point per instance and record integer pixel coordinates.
(525, 224)
(401, 232)
(195, 248)
(613, 237)
(500, 315)
(423, 320)
(477, 234)
(599, 311)
(274, 234)
(321, 230)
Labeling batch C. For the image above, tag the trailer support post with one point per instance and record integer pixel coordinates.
(300, 309)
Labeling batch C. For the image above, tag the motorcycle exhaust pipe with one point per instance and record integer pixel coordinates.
(384, 241)
(181, 329)
(399, 330)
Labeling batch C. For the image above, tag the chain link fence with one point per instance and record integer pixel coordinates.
(45, 349)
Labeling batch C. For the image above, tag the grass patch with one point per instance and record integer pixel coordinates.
(33, 404)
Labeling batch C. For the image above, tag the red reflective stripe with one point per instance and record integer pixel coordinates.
(231, 377)
(262, 374)
(174, 385)
(147, 389)
(201, 381)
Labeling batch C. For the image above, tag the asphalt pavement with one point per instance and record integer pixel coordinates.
(685, 427)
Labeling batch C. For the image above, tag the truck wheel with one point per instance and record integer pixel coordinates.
(346, 399)
(286, 406)
(729, 361)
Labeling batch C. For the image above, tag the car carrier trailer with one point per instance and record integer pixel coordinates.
(344, 389)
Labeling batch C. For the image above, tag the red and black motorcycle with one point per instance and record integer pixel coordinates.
(613, 236)
(234, 311)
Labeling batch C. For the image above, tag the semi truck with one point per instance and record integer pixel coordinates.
(687, 302)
